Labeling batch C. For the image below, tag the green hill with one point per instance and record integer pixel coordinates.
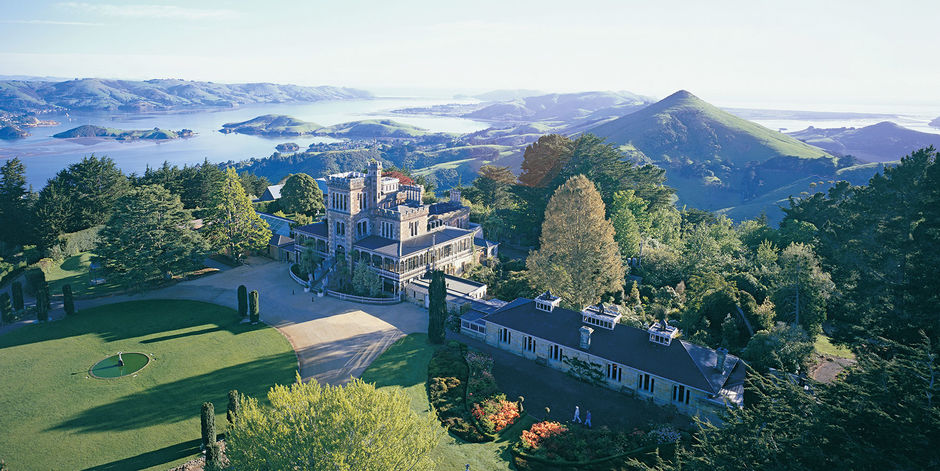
(374, 128)
(272, 125)
(88, 130)
(684, 127)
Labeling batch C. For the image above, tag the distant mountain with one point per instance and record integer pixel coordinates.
(272, 125)
(507, 95)
(88, 130)
(935, 123)
(564, 107)
(714, 159)
(882, 142)
(92, 94)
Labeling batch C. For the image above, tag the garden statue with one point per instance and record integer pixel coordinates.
(120, 360)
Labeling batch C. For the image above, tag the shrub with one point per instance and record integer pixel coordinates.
(539, 431)
(496, 413)
(68, 303)
(6, 308)
(35, 279)
(232, 409)
(243, 301)
(75, 243)
(253, 306)
(447, 389)
(17, 296)
(208, 424)
(213, 456)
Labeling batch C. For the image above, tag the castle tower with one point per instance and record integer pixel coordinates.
(374, 183)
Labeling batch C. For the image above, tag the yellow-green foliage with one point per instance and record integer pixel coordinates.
(312, 427)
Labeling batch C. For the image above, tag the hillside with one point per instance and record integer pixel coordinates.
(564, 107)
(88, 130)
(936, 122)
(272, 125)
(880, 142)
(374, 128)
(94, 94)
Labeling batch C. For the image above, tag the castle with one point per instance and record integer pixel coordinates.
(378, 220)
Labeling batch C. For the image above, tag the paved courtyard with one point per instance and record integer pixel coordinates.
(334, 339)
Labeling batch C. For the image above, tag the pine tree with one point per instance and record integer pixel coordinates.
(149, 238)
(208, 424)
(232, 409)
(14, 205)
(68, 303)
(242, 301)
(803, 288)
(253, 306)
(578, 259)
(17, 290)
(437, 307)
(233, 224)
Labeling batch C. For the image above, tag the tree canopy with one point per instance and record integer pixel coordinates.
(233, 224)
(310, 427)
(301, 194)
(578, 259)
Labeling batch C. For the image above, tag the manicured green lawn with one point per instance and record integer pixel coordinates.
(404, 366)
(825, 347)
(75, 271)
(54, 416)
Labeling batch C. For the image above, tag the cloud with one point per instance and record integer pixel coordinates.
(49, 22)
(170, 12)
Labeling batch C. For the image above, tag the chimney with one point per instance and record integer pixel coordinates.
(455, 195)
(721, 353)
(585, 337)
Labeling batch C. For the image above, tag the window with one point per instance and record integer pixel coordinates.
(680, 394)
(614, 372)
(528, 343)
(505, 336)
(645, 382)
(340, 228)
(555, 352)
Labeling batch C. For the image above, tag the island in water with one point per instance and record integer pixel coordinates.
(276, 125)
(15, 126)
(287, 147)
(89, 130)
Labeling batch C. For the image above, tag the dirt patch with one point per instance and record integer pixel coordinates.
(827, 368)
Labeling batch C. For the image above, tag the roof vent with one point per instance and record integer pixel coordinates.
(547, 302)
(662, 333)
(585, 337)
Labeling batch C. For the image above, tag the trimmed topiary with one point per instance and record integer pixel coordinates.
(68, 303)
(42, 304)
(253, 306)
(213, 456)
(6, 308)
(232, 406)
(17, 296)
(243, 301)
(208, 424)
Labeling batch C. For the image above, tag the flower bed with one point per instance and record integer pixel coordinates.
(447, 391)
(583, 448)
(495, 413)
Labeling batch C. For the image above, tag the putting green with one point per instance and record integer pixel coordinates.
(115, 367)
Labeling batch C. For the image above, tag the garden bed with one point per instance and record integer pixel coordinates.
(552, 445)
(462, 390)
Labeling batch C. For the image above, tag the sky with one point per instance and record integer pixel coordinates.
(851, 55)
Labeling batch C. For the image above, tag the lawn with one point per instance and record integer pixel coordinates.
(404, 366)
(74, 271)
(825, 347)
(54, 416)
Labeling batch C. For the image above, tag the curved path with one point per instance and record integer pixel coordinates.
(334, 340)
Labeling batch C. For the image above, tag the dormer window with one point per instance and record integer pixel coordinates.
(662, 333)
(606, 317)
(547, 302)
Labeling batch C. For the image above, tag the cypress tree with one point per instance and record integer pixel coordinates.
(253, 306)
(17, 296)
(437, 307)
(6, 309)
(232, 406)
(243, 301)
(213, 456)
(42, 304)
(68, 303)
(208, 424)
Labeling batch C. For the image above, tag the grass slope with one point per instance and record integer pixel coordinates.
(55, 417)
(75, 271)
(682, 127)
(272, 125)
(404, 366)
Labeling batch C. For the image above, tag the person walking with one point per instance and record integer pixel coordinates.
(587, 419)
(577, 414)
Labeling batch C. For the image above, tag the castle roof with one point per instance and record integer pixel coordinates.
(390, 247)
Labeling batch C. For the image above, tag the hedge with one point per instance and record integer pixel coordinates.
(447, 392)
(599, 464)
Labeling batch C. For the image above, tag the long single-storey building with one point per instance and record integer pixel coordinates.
(651, 363)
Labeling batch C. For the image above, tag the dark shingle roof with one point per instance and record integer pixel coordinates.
(315, 229)
(278, 240)
(389, 247)
(681, 361)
